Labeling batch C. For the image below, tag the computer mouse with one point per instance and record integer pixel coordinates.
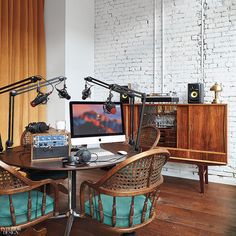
(122, 152)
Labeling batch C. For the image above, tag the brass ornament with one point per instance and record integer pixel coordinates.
(216, 88)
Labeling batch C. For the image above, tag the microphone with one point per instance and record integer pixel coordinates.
(41, 98)
(86, 92)
(62, 93)
(109, 107)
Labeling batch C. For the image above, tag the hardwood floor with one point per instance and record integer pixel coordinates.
(182, 210)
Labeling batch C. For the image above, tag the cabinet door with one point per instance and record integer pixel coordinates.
(207, 128)
(182, 127)
(127, 121)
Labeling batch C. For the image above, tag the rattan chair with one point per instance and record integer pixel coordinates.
(23, 202)
(149, 137)
(124, 199)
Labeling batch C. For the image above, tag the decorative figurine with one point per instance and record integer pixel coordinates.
(216, 88)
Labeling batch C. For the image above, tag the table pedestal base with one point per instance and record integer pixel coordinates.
(71, 214)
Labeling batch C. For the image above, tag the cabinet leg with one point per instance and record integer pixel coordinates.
(206, 174)
(201, 170)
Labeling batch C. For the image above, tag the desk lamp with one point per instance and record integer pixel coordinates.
(216, 88)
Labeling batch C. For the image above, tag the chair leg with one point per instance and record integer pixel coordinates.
(129, 234)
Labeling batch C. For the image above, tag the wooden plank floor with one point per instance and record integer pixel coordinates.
(182, 210)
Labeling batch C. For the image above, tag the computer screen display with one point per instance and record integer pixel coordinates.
(89, 120)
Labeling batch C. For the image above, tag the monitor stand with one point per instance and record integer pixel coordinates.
(95, 148)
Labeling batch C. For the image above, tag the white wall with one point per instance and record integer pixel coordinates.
(55, 54)
(70, 50)
(124, 53)
(79, 46)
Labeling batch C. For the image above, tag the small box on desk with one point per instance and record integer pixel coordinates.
(50, 145)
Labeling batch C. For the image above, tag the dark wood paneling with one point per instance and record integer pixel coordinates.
(182, 127)
(207, 128)
(201, 128)
(126, 113)
(216, 158)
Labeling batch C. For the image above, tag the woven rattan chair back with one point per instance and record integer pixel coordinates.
(149, 137)
(9, 181)
(137, 175)
(13, 183)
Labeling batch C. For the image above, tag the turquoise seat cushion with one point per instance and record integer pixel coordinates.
(20, 203)
(122, 209)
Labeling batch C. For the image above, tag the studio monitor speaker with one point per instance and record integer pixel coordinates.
(124, 98)
(196, 93)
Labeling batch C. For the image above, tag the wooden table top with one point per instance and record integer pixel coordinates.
(21, 157)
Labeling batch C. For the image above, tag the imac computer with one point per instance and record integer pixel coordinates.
(91, 124)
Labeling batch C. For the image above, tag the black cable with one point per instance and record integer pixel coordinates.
(49, 83)
(60, 81)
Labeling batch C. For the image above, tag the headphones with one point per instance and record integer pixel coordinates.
(37, 127)
(83, 156)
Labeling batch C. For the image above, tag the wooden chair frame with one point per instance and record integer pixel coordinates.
(106, 185)
(149, 137)
(12, 182)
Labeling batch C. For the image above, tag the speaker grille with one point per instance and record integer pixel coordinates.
(195, 93)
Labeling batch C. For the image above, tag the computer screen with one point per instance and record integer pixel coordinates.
(90, 124)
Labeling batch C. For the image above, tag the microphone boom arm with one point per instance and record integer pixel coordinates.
(18, 84)
(40, 84)
(132, 94)
(22, 90)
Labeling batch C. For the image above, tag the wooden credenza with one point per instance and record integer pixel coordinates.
(193, 133)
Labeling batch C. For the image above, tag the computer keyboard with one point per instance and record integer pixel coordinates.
(114, 158)
(101, 152)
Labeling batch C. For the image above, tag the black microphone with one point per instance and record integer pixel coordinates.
(109, 107)
(86, 92)
(41, 98)
(63, 93)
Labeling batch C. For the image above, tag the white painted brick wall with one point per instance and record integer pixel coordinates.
(124, 54)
